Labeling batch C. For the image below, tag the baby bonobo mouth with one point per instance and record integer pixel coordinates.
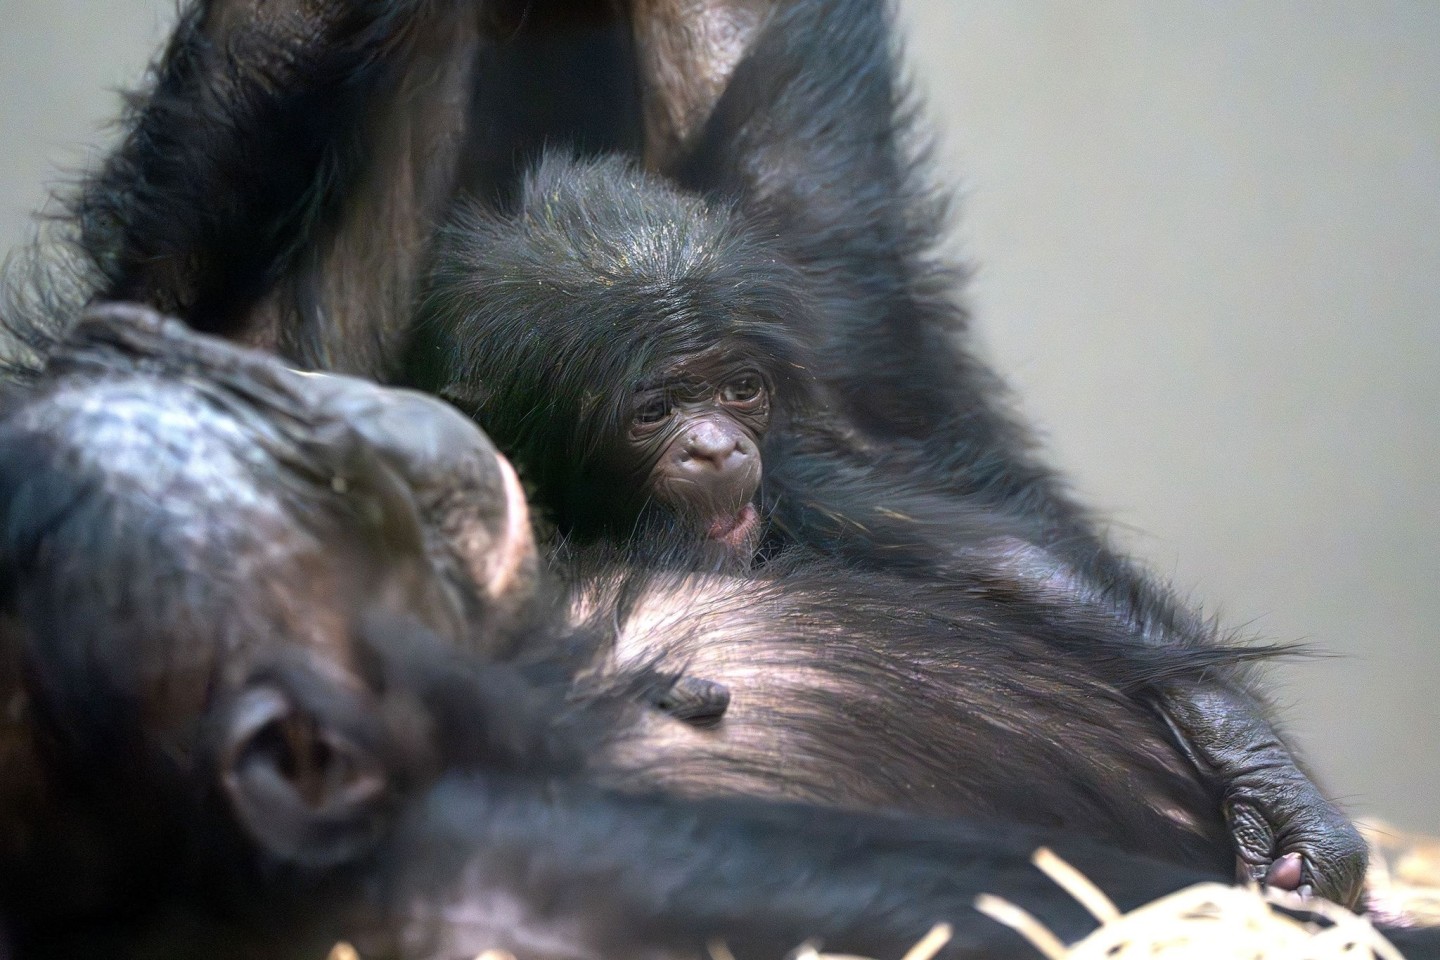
(738, 531)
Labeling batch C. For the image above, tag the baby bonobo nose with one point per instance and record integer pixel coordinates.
(714, 446)
(715, 468)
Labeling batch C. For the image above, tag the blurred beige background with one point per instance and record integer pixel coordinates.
(1208, 241)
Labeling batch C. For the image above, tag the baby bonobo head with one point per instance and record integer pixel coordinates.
(628, 345)
(693, 438)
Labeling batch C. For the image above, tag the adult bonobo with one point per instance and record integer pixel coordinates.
(283, 182)
(332, 734)
(179, 514)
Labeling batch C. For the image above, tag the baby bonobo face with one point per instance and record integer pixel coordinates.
(694, 435)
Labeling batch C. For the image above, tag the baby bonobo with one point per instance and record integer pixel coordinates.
(628, 346)
(641, 355)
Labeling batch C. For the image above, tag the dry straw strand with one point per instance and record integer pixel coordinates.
(930, 944)
(1023, 923)
(1076, 884)
(1208, 921)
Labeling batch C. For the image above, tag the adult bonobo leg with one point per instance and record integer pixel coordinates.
(813, 138)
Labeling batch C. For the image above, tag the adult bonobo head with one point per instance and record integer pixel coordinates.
(180, 518)
(627, 344)
(137, 423)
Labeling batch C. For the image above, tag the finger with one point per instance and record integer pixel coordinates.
(1286, 873)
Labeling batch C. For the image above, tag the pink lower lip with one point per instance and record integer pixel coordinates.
(734, 531)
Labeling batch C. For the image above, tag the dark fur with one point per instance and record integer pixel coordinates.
(283, 182)
(281, 176)
(944, 702)
(898, 452)
(507, 812)
(548, 320)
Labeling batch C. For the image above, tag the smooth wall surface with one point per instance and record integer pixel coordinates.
(1208, 243)
(1207, 236)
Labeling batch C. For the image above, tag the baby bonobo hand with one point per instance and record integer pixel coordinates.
(1287, 834)
(1290, 837)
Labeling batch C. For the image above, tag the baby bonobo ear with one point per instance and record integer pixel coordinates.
(303, 768)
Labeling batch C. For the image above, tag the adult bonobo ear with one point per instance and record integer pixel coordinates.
(304, 766)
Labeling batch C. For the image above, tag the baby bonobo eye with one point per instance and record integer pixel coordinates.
(651, 410)
(745, 389)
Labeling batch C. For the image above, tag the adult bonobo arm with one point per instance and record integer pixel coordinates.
(814, 137)
(281, 179)
(278, 181)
